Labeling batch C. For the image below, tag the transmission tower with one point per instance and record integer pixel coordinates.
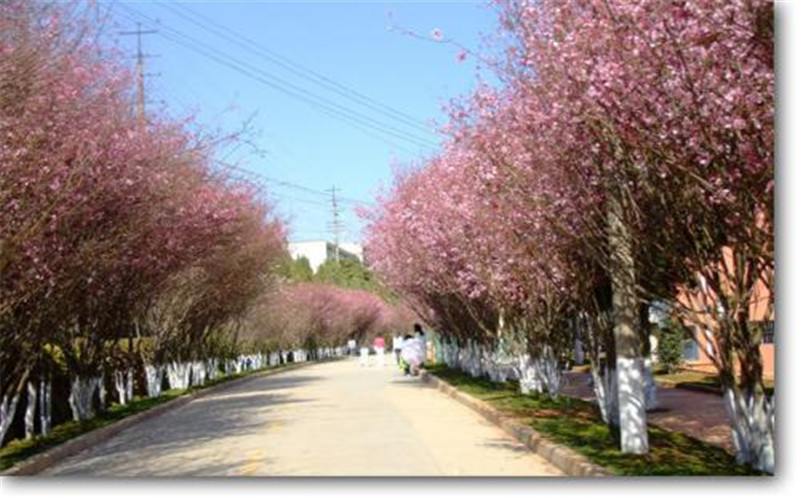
(140, 74)
(336, 222)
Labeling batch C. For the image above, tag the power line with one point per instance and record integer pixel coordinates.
(308, 74)
(282, 85)
(271, 180)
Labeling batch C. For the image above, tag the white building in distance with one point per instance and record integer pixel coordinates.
(318, 251)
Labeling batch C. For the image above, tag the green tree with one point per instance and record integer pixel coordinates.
(347, 273)
(672, 341)
(296, 270)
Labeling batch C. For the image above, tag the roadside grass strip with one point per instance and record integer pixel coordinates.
(577, 425)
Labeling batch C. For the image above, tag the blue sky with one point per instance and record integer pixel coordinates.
(348, 43)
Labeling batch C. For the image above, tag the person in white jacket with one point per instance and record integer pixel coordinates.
(412, 354)
(397, 346)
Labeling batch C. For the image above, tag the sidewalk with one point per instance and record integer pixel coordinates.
(697, 414)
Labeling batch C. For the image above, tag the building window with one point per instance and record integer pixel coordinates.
(691, 351)
(767, 331)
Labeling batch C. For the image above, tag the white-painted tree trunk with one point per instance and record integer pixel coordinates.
(605, 392)
(123, 384)
(580, 356)
(179, 374)
(487, 363)
(198, 373)
(211, 368)
(625, 304)
(472, 360)
(8, 408)
(154, 376)
(529, 379)
(650, 386)
(101, 388)
(81, 397)
(550, 372)
(30, 410)
(450, 354)
(129, 384)
(753, 429)
(631, 405)
(45, 406)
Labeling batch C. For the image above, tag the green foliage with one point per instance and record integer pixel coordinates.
(672, 340)
(577, 424)
(301, 271)
(347, 273)
(296, 270)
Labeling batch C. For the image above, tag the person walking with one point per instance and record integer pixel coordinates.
(411, 355)
(380, 348)
(423, 343)
(397, 347)
(363, 359)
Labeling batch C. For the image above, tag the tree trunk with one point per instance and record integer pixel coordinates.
(580, 357)
(45, 406)
(81, 397)
(30, 410)
(650, 385)
(605, 391)
(8, 407)
(198, 373)
(123, 383)
(752, 424)
(154, 375)
(101, 387)
(129, 384)
(178, 374)
(211, 368)
(630, 369)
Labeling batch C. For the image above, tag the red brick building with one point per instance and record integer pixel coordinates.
(697, 354)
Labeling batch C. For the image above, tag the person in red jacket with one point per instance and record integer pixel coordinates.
(380, 348)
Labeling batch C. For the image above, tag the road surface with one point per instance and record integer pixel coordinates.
(328, 419)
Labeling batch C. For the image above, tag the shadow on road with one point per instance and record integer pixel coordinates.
(173, 440)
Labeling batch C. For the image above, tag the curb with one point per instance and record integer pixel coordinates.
(48, 458)
(569, 461)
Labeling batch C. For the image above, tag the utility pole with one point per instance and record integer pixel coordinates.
(336, 225)
(140, 57)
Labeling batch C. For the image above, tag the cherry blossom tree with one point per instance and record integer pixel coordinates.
(625, 155)
(104, 216)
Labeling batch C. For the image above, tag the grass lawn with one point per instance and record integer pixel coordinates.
(577, 424)
(21, 449)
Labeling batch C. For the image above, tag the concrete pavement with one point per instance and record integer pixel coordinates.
(329, 419)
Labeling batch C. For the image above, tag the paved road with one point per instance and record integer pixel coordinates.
(330, 419)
